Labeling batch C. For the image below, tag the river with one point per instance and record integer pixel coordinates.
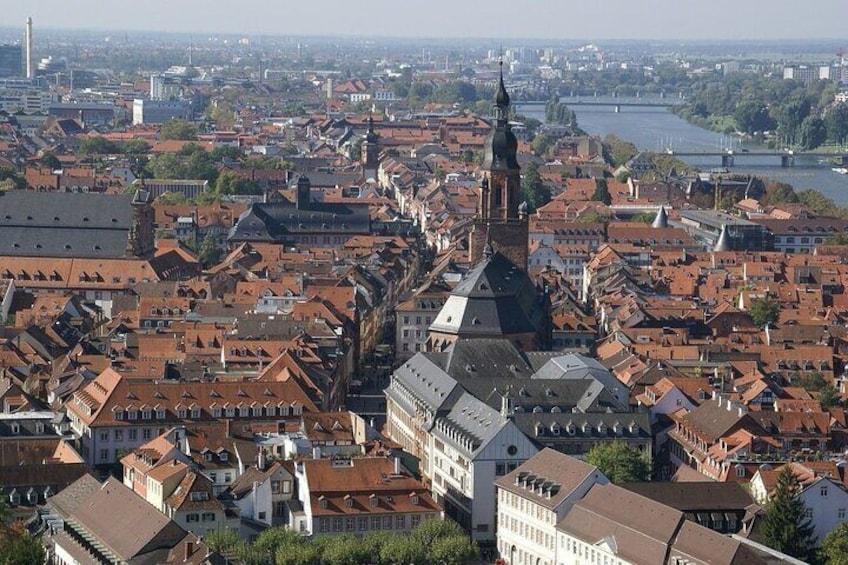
(656, 129)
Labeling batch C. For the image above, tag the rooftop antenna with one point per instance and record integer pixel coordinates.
(190, 49)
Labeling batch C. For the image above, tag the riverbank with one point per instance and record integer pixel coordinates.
(657, 130)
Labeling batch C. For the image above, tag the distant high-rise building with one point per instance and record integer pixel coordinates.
(30, 56)
(157, 87)
(158, 111)
(11, 61)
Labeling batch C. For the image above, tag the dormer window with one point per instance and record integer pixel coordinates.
(322, 502)
(414, 500)
(348, 501)
(373, 500)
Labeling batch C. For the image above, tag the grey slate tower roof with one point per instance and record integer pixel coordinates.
(501, 146)
(494, 299)
(661, 221)
(723, 243)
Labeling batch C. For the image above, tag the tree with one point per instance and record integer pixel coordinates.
(271, 540)
(829, 396)
(21, 548)
(619, 462)
(344, 550)
(209, 253)
(834, 547)
(302, 554)
(838, 239)
(790, 115)
(645, 217)
(764, 311)
(618, 151)
(166, 166)
(225, 152)
(542, 143)
(402, 551)
(536, 192)
(812, 132)
(136, 147)
(11, 180)
(222, 540)
(784, 526)
(97, 146)
(456, 549)
(819, 203)
(50, 161)
(17, 546)
(601, 193)
(779, 192)
(232, 183)
(836, 122)
(178, 129)
(752, 116)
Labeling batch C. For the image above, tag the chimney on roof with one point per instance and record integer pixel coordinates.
(396, 460)
(316, 452)
(189, 550)
(260, 459)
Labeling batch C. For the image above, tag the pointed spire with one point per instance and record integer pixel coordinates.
(370, 135)
(502, 97)
(661, 221)
(723, 243)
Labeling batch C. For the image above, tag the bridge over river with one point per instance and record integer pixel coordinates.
(787, 158)
(611, 102)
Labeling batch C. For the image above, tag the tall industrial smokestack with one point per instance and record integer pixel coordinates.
(30, 62)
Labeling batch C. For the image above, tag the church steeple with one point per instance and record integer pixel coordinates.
(370, 151)
(499, 215)
(502, 97)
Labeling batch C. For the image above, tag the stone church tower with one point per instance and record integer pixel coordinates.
(502, 214)
(370, 152)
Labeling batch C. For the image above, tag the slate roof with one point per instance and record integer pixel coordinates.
(474, 420)
(713, 419)
(67, 501)
(555, 472)
(64, 224)
(113, 510)
(618, 515)
(275, 221)
(495, 298)
(696, 496)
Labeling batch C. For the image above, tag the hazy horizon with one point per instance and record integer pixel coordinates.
(535, 19)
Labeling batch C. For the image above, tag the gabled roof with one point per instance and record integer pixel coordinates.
(549, 477)
(113, 510)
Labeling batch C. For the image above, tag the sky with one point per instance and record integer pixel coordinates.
(542, 19)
